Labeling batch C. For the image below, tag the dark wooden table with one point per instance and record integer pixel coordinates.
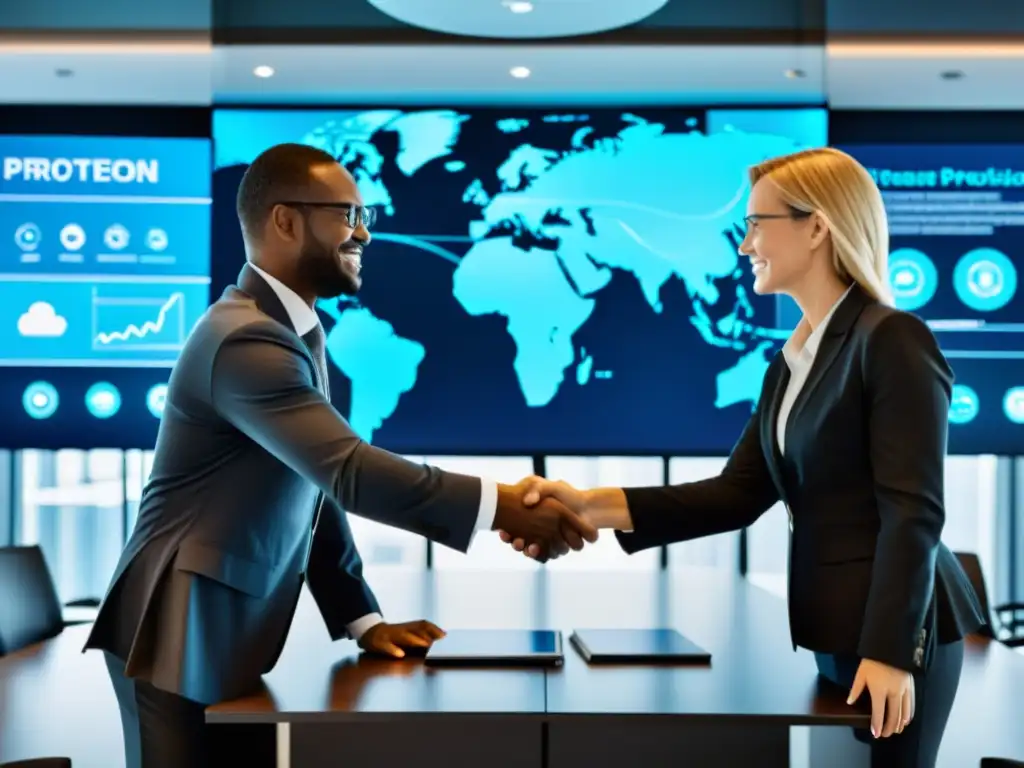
(324, 695)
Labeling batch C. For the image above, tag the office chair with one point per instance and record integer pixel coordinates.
(30, 610)
(986, 762)
(39, 762)
(1006, 620)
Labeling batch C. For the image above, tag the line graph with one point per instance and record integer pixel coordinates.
(137, 324)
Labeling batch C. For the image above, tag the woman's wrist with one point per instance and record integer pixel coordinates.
(606, 508)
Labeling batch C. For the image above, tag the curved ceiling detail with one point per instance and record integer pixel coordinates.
(519, 19)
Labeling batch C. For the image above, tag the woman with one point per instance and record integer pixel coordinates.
(850, 433)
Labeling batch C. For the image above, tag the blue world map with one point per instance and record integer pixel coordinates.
(534, 238)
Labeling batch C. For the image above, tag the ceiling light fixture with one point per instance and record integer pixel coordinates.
(263, 71)
(952, 74)
(64, 72)
(518, 6)
(519, 72)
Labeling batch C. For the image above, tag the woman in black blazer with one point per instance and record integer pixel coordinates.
(850, 434)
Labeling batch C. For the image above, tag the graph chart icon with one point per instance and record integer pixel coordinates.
(138, 324)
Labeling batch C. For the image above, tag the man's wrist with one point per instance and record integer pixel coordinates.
(362, 625)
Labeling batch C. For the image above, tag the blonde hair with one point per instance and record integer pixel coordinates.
(840, 190)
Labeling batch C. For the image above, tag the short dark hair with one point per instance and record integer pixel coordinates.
(279, 173)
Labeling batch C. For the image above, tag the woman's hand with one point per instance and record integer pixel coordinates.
(892, 696)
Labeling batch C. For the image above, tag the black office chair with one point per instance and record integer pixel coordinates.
(1006, 620)
(30, 610)
(39, 762)
(986, 762)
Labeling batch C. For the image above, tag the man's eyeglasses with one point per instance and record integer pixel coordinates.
(754, 218)
(354, 214)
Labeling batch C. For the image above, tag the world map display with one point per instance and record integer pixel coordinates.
(542, 281)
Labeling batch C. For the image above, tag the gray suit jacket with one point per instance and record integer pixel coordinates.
(233, 518)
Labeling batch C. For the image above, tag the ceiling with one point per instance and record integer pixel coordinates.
(372, 21)
(845, 75)
(857, 54)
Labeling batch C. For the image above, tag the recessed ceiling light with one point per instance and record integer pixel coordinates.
(518, 6)
(263, 71)
(519, 72)
(951, 74)
(795, 74)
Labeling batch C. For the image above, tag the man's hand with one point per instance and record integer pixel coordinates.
(392, 639)
(534, 491)
(548, 527)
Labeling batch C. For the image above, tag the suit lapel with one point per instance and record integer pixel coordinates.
(832, 342)
(769, 427)
(254, 286)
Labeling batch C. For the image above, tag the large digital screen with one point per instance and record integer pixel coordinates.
(956, 223)
(540, 281)
(106, 250)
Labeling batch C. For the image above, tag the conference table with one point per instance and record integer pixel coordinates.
(327, 704)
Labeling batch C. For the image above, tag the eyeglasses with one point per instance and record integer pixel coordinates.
(754, 218)
(354, 214)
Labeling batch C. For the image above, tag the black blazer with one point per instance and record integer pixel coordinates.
(862, 479)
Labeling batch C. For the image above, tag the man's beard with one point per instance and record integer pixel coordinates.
(324, 273)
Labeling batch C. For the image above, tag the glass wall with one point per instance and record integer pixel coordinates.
(78, 506)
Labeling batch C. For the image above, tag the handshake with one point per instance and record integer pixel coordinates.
(544, 518)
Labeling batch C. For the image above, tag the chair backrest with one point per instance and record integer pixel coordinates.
(39, 762)
(972, 567)
(986, 762)
(30, 610)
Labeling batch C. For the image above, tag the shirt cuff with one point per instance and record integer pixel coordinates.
(358, 627)
(488, 505)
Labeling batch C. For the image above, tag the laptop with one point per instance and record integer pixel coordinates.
(497, 647)
(637, 646)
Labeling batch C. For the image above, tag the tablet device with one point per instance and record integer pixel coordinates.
(637, 646)
(497, 647)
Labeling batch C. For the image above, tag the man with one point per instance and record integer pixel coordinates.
(252, 473)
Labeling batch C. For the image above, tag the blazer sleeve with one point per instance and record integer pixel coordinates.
(263, 385)
(738, 496)
(908, 383)
(335, 573)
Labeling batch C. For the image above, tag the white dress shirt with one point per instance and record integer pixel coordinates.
(800, 360)
(304, 319)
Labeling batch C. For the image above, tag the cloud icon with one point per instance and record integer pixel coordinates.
(42, 320)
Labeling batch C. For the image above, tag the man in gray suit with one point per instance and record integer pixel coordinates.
(252, 475)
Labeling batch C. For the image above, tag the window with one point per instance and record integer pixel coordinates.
(487, 551)
(71, 505)
(7, 491)
(584, 473)
(718, 551)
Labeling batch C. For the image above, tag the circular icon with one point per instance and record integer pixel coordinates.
(103, 400)
(1013, 405)
(116, 237)
(27, 237)
(913, 278)
(156, 399)
(985, 279)
(40, 400)
(72, 237)
(963, 406)
(156, 239)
